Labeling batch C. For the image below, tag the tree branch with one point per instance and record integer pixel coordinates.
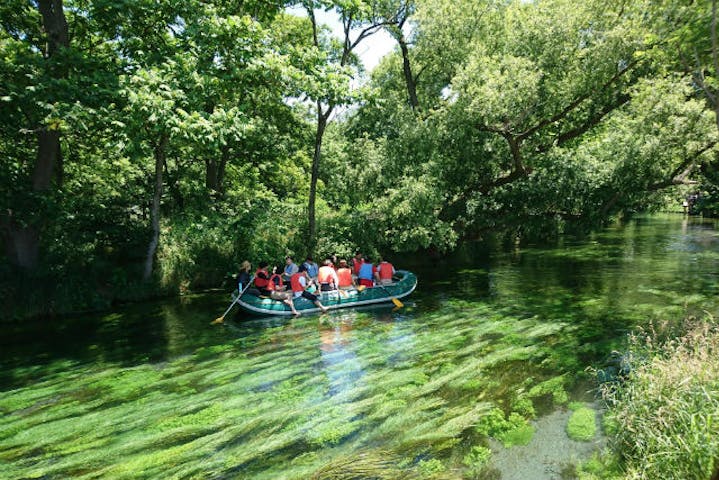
(681, 172)
(578, 101)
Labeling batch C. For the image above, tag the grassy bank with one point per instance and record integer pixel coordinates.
(664, 419)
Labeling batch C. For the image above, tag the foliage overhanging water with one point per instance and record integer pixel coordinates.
(154, 391)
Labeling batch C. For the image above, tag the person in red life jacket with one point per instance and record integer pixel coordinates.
(385, 271)
(277, 291)
(276, 279)
(344, 276)
(327, 277)
(262, 279)
(299, 283)
(357, 262)
(367, 273)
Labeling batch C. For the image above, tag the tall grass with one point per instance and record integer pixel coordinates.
(665, 417)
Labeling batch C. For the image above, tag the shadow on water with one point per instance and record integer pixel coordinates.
(492, 337)
(137, 334)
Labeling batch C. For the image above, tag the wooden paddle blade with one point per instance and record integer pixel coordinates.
(217, 320)
(397, 302)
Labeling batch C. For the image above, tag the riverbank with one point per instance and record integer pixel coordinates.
(663, 421)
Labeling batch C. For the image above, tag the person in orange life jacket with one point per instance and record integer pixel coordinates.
(277, 291)
(385, 270)
(367, 273)
(357, 262)
(262, 279)
(344, 276)
(276, 279)
(327, 277)
(299, 283)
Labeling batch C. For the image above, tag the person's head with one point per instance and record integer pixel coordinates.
(308, 259)
(262, 265)
(303, 268)
(343, 263)
(327, 262)
(367, 259)
(358, 255)
(288, 260)
(246, 266)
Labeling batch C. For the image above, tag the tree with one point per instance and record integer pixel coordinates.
(333, 86)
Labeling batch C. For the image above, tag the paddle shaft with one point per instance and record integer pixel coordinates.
(394, 300)
(238, 297)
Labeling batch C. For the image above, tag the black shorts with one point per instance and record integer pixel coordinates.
(309, 296)
(326, 287)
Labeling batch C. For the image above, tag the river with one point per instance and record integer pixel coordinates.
(472, 379)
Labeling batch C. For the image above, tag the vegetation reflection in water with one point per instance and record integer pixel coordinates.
(413, 393)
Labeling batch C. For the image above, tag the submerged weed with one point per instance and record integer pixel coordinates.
(582, 424)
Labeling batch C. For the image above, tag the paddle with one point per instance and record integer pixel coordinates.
(222, 318)
(396, 301)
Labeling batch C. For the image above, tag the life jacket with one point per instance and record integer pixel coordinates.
(295, 283)
(261, 282)
(345, 277)
(325, 274)
(276, 280)
(365, 271)
(385, 272)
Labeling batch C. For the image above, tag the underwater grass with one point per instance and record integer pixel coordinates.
(224, 410)
(582, 424)
(413, 394)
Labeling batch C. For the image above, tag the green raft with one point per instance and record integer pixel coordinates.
(404, 283)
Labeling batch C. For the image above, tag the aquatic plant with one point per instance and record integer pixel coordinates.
(554, 387)
(476, 460)
(512, 430)
(602, 465)
(428, 468)
(582, 424)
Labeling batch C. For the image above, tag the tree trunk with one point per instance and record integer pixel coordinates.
(23, 240)
(319, 134)
(215, 170)
(715, 57)
(408, 77)
(211, 168)
(160, 152)
(55, 25)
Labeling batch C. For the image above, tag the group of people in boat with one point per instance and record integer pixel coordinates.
(305, 279)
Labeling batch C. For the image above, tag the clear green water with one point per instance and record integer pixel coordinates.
(155, 391)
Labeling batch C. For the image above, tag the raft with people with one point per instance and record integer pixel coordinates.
(403, 284)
